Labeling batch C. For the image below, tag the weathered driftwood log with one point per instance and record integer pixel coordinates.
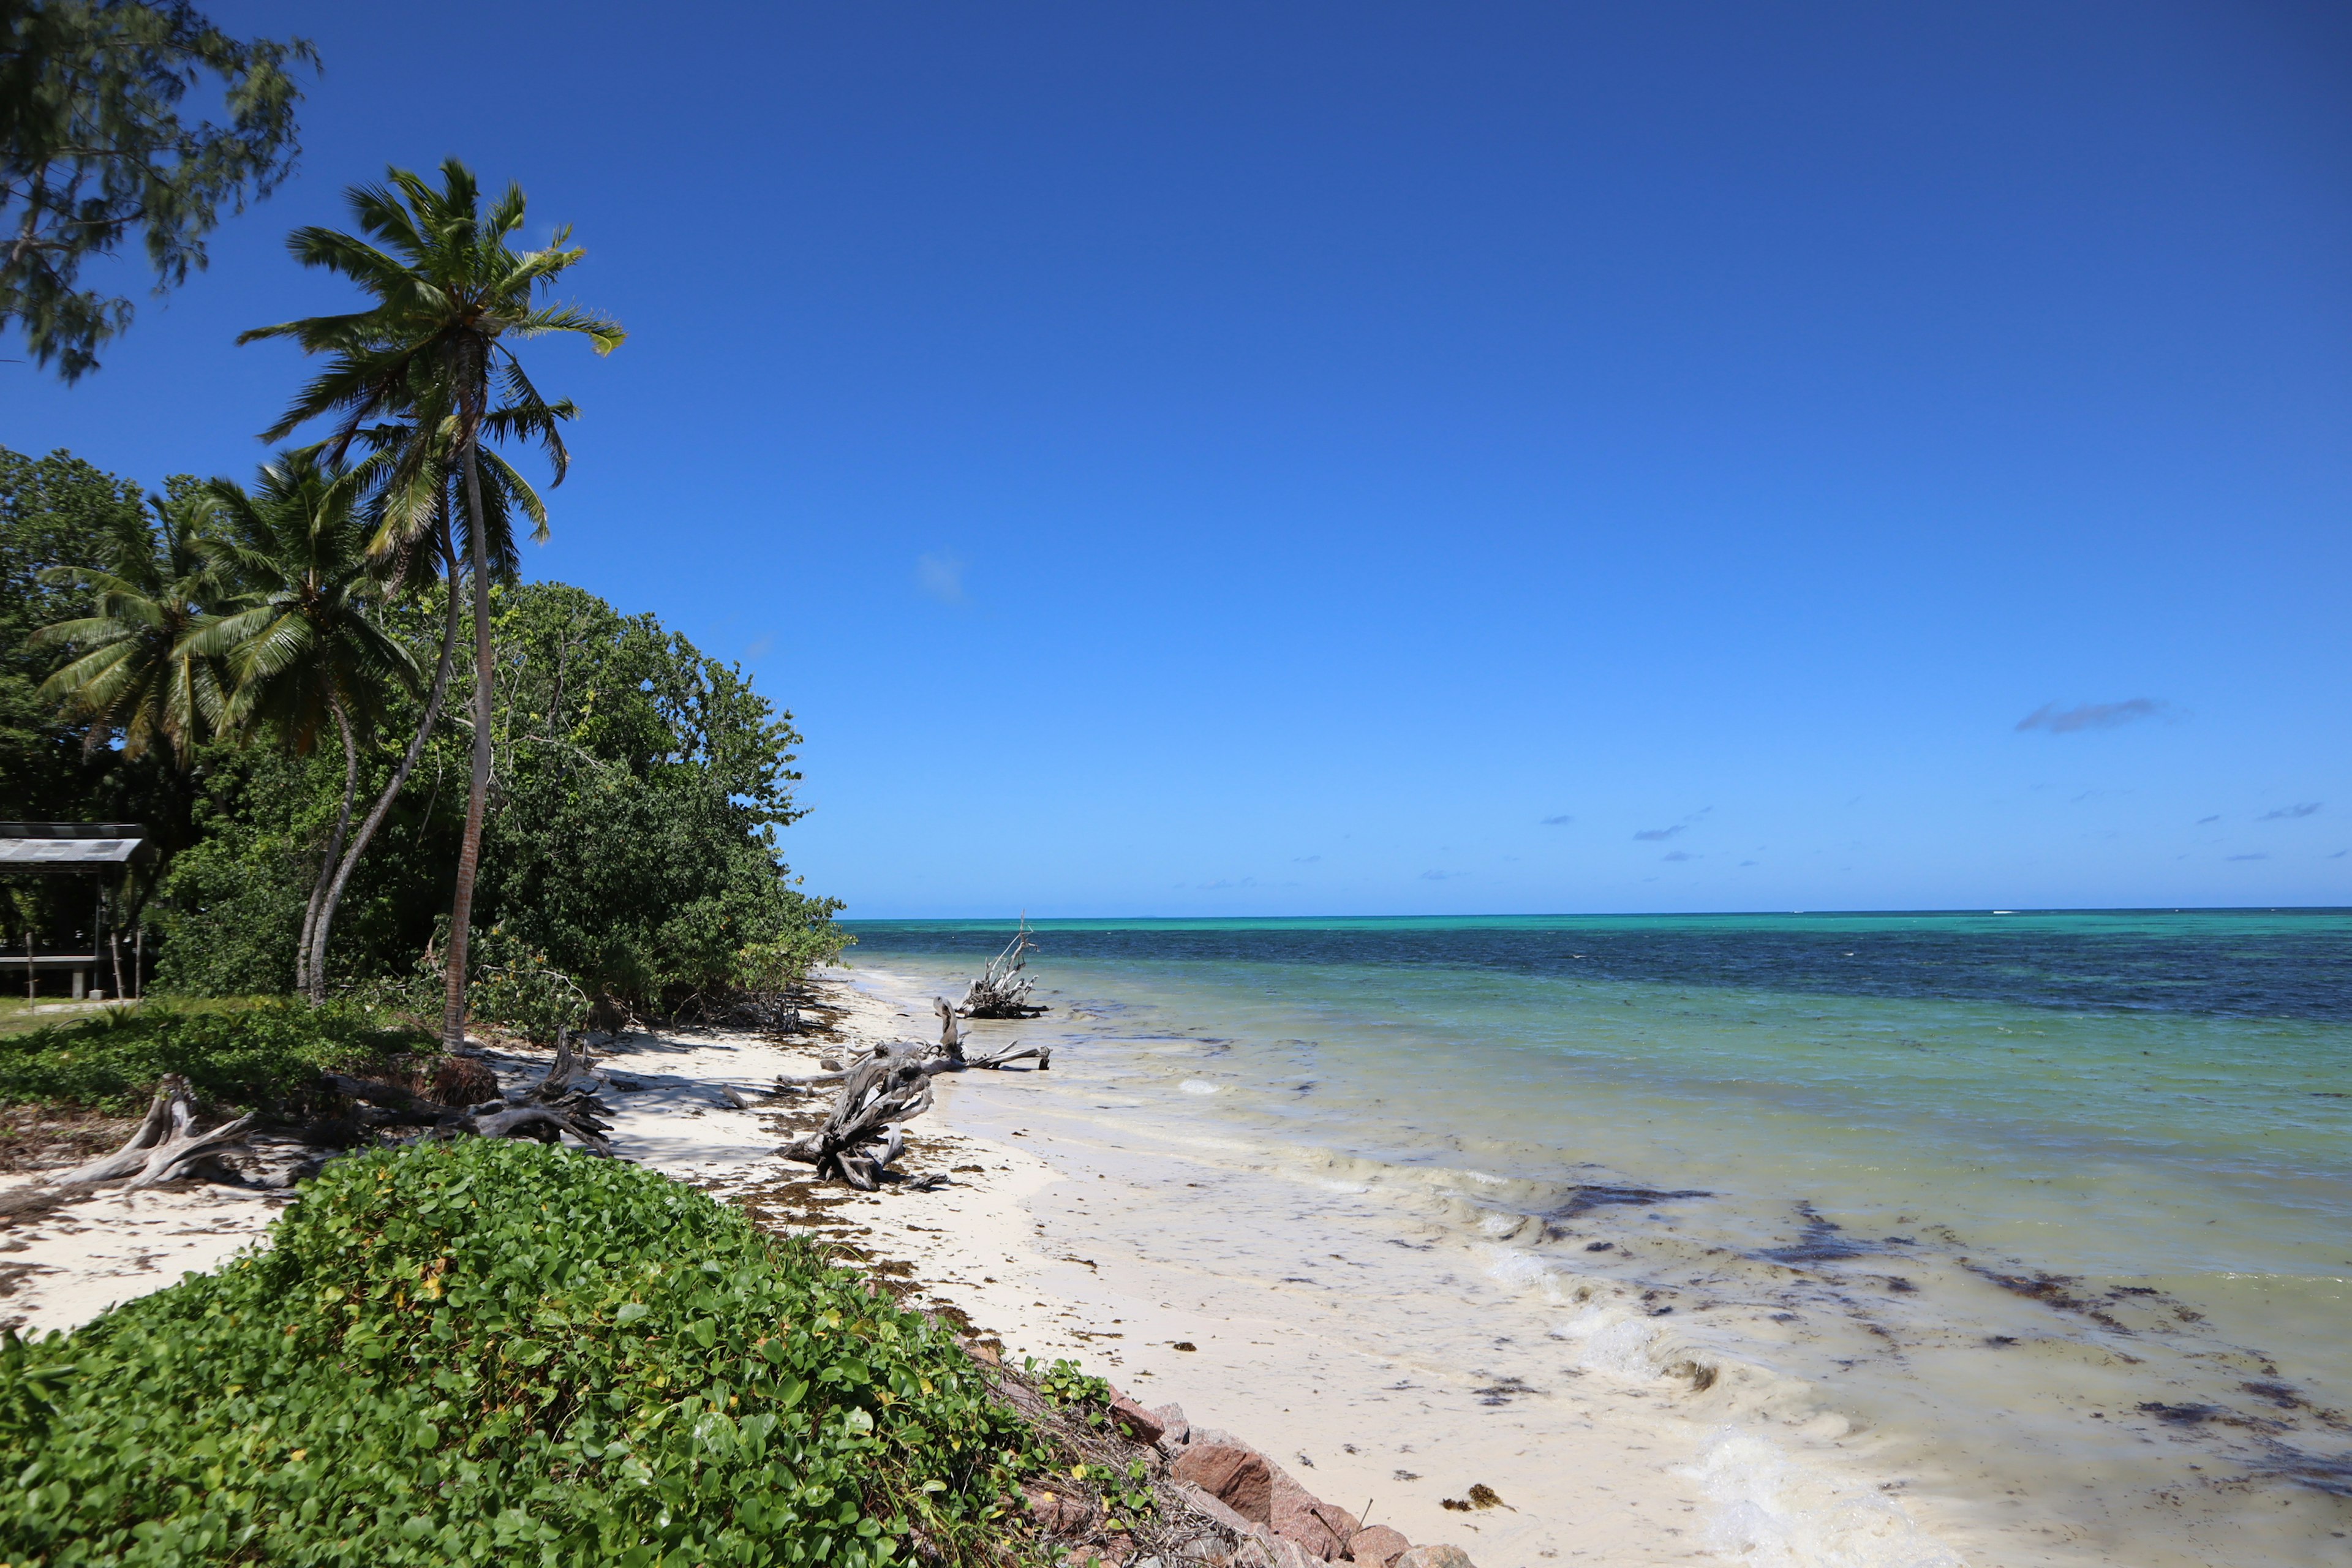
(880, 1095)
(164, 1145)
(1042, 1055)
(555, 1105)
(1003, 991)
(932, 1066)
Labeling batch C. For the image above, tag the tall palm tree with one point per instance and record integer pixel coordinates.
(450, 297)
(304, 643)
(139, 674)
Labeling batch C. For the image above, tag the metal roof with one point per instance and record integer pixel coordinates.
(66, 847)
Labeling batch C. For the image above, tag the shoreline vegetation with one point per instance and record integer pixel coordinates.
(487, 1350)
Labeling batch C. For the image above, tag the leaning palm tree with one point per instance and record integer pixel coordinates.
(305, 643)
(451, 297)
(138, 673)
(417, 546)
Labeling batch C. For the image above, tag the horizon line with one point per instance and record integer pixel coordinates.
(1662, 914)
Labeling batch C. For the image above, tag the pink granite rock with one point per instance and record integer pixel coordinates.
(1230, 1471)
(1139, 1424)
(1297, 1514)
(1434, 1557)
(1379, 1546)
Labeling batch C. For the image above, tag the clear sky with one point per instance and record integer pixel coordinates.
(1368, 458)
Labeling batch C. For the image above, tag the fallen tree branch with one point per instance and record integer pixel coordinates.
(164, 1143)
(547, 1109)
(880, 1095)
(1001, 991)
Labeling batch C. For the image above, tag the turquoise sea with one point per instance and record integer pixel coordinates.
(2056, 1204)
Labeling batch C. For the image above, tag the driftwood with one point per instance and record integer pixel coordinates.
(880, 1093)
(948, 1060)
(560, 1103)
(879, 1096)
(1003, 991)
(164, 1145)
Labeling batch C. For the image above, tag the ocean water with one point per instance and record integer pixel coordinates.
(2054, 1209)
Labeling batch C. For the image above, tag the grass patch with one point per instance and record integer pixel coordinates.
(492, 1351)
(256, 1053)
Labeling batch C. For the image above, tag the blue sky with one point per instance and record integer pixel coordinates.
(1285, 459)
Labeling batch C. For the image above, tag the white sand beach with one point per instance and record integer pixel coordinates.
(1391, 1371)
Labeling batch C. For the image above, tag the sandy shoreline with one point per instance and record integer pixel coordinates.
(1387, 1369)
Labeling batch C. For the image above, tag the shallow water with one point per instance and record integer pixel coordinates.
(2054, 1209)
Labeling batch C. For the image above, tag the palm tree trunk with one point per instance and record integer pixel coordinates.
(310, 976)
(382, 808)
(469, 850)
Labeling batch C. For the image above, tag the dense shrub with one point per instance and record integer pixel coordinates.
(244, 1057)
(493, 1352)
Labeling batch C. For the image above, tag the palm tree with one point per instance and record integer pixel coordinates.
(139, 674)
(414, 509)
(305, 644)
(450, 299)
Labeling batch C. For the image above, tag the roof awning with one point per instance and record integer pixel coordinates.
(65, 848)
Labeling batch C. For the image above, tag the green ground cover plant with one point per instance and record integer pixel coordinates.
(261, 1054)
(493, 1352)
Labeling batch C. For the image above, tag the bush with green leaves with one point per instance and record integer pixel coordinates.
(257, 1055)
(773, 968)
(492, 1351)
(515, 987)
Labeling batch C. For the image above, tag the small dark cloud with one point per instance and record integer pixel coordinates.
(2254, 857)
(2202, 821)
(1654, 835)
(2338, 855)
(1748, 862)
(1436, 875)
(2289, 813)
(1558, 821)
(2090, 715)
(1680, 855)
(1305, 860)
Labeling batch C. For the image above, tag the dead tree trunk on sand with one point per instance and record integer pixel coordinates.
(878, 1096)
(162, 1146)
(555, 1105)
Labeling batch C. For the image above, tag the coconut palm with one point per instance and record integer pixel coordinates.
(303, 641)
(139, 674)
(422, 546)
(450, 299)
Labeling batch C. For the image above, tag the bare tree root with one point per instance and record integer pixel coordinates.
(1003, 991)
(559, 1103)
(162, 1146)
(879, 1094)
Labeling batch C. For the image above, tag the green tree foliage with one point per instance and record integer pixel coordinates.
(93, 149)
(630, 838)
(643, 783)
(495, 1353)
(137, 670)
(55, 511)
